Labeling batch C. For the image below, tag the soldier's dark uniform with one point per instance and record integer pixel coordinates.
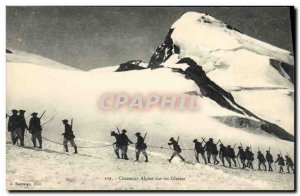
(249, 157)
(231, 154)
(223, 154)
(69, 136)
(176, 149)
(208, 148)
(23, 125)
(214, 153)
(35, 129)
(124, 141)
(280, 162)
(199, 150)
(117, 144)
(241, 154)
(261, 160)
(289, 164)
(14, 127)
(270, 160)
(140, 147)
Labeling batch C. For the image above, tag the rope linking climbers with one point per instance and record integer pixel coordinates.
(78, 146)
(160, 147)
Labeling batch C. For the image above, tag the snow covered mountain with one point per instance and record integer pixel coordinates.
(244, 88)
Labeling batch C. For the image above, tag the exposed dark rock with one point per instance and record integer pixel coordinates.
(211, 90)
(232, 28)
(284, 69)
(164, 51)
(255, 126)
(8, 51)
(130, 65)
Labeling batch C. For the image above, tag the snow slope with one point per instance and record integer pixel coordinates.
(234, 61)
(69, 94)
(230, 92)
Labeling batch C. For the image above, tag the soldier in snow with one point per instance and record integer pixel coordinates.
(176, 149)
(140, 146)
(280, 162)
(14, 127)
(125, 141)
(69, 136)
(214, 153)
(223, 154)
(117, 144)
(249, 157)
(35, 129)
(241, 154)
(231, 154)
(199, 150)
(289, 164)
(208, 148)
(23, 125)
(269, 158)
(261, 160)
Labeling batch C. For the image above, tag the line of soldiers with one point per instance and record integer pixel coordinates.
(122, 142)
(17, 126)
(246, 156)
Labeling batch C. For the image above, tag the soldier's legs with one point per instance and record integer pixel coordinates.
(33, 139)
(280, 168)
(19, 136)
(117, 149)
(270, 166)
(243, 163)
(173, 155)
(203, 157)
(228, 161)
(124, 152)
(145, 154)
(39, 138)
(234, 161)
(216, 162)
(259, 164)
(137, 155)
(13, 137)
(222, 159)
(208, 156)
(65, 143)
(178, 154)
(22, 133)
(74, 145)
(197, 157)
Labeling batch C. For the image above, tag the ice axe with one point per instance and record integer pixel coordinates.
(42, 114)
(118, 130)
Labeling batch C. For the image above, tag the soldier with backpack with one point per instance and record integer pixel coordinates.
(241, 154)
(68, 136)
(289, 164)
(35, 129)
(14, 127)
(23, 125)
(231, 154)
(249, 157)
(117, 144)
(261, 160)
(199, 150)
(223, 154)
(176, 149)
(280, 162)
(269, 158)
(140, 146)
(124, 141)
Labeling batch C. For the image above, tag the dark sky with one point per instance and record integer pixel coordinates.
(90, 37)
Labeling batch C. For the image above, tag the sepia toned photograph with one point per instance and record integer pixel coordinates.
(157, 98)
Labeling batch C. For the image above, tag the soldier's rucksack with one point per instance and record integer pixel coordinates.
(144, 146)
(177, 148)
